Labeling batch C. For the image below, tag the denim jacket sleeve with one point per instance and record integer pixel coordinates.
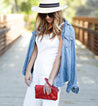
(30, 48)
(72, 84)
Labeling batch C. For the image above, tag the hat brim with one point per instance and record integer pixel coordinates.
(48, 10)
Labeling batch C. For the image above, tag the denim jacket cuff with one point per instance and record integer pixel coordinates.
(74, 89)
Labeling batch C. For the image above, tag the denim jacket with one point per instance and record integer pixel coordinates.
(67, 71)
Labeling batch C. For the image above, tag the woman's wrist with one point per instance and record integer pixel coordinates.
(29, 67)
(50, 81)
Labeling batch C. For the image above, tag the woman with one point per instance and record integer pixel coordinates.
(51, 54)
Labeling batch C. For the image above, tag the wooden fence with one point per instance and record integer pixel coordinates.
(11, 27)
(86, 30)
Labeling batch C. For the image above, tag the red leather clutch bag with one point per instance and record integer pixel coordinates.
(39, 94)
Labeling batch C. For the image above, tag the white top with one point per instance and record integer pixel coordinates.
(47, 52)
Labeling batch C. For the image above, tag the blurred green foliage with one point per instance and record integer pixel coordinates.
(71, 10)
(96, 11)
(24, 7)
(32, 24)
(26, 19)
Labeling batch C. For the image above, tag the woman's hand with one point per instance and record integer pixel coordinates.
(47, 88)
(28, 77)
(30, 65)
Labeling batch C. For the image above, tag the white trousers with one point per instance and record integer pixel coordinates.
(30, 99)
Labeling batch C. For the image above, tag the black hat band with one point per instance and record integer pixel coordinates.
(48, 5)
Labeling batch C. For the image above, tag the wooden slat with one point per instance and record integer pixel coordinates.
(86, 29)
(93, 20)
(11, 26)
(4, 31)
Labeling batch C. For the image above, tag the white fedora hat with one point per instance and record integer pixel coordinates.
(48, 6)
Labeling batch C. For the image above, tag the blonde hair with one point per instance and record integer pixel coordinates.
(44, 25)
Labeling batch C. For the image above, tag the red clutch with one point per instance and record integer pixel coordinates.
(39, 94)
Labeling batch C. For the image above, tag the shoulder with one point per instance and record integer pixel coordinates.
(69, 30)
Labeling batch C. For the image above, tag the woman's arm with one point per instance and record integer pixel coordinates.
(56, 64)
(30, 64)
(33, 58)
(55, 69)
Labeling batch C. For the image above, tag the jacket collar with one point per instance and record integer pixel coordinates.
(66, 22)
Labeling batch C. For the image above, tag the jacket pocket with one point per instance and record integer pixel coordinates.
(67, 41)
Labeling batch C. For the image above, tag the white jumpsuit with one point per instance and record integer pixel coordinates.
(47, 51)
